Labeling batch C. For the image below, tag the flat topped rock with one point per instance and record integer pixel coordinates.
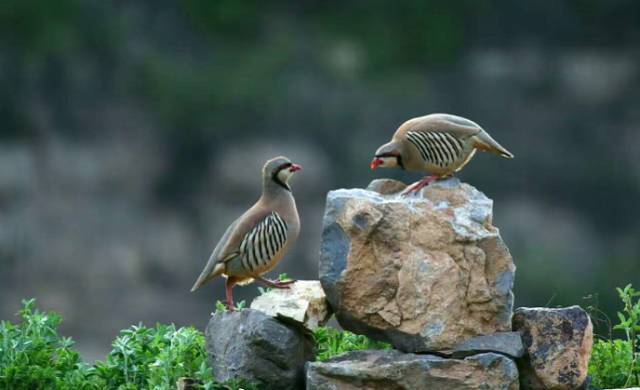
(304, 302)
(425, 271)
(507, 343)
(390, 369)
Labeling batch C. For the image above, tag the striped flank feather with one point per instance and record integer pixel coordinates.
(260, 245)
(437, 148)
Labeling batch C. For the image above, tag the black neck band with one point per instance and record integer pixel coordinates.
(276, 179)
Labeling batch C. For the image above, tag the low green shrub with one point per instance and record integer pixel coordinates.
(34, 356)
(331, 342)
(615, 363)
(610, 365)
(153, 357)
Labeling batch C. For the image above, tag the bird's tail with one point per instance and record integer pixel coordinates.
(207, 275)
(483, 141)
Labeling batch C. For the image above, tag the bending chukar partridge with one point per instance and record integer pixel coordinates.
(255, 242)
(438, 143)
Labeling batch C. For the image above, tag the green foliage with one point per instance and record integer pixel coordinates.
(221, 307)
(332, 342)
(34, 356)
(610, 364)
(283, 277)
(616, 363)
(154, 357)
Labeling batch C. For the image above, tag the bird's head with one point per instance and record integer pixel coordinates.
(387, 156)
(279, 170)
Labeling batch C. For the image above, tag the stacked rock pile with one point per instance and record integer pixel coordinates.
(428, 273)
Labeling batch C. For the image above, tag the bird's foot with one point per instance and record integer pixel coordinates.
(284, 283)
(230, 306)
(276, 283)
(415, 187)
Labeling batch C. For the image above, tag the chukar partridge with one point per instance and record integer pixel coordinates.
(255, 242)
(438, 143)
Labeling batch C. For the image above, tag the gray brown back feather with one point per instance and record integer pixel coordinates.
(444, 140)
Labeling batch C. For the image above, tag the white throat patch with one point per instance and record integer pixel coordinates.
(284, 175)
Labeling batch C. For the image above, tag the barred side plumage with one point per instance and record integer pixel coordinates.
(438, 148)
(261, 244)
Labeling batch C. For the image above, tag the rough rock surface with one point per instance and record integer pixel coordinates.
(252, 345)
(391, 369)
(304, 302)
(424, 272)
(507, 343)
(557, 347)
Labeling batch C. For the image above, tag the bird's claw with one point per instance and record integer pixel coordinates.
(283, 284)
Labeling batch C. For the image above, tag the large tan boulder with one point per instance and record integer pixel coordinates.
(557, 347)
(425, 272)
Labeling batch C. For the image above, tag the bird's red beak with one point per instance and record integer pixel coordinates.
(376, 163)
(295, 168)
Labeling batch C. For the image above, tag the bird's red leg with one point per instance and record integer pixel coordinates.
(274, 283)
(420, 185)
(228, 285)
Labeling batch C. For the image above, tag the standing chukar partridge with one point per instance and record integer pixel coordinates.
(438, 143)
(255, 242)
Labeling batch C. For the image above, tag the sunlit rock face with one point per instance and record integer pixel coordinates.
(304, 302)
(426, 272)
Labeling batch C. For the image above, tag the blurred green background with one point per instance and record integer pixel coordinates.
(133, 132)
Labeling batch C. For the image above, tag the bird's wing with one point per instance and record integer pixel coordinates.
(454, 126)
(441, 123)
(228, 247)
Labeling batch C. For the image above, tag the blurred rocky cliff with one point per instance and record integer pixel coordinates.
(133, 133)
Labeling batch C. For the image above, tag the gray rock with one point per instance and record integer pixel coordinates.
(425, 272)
(386, 186)
(506, 343)
(391, 369)
(251, 345)
(557, 347)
